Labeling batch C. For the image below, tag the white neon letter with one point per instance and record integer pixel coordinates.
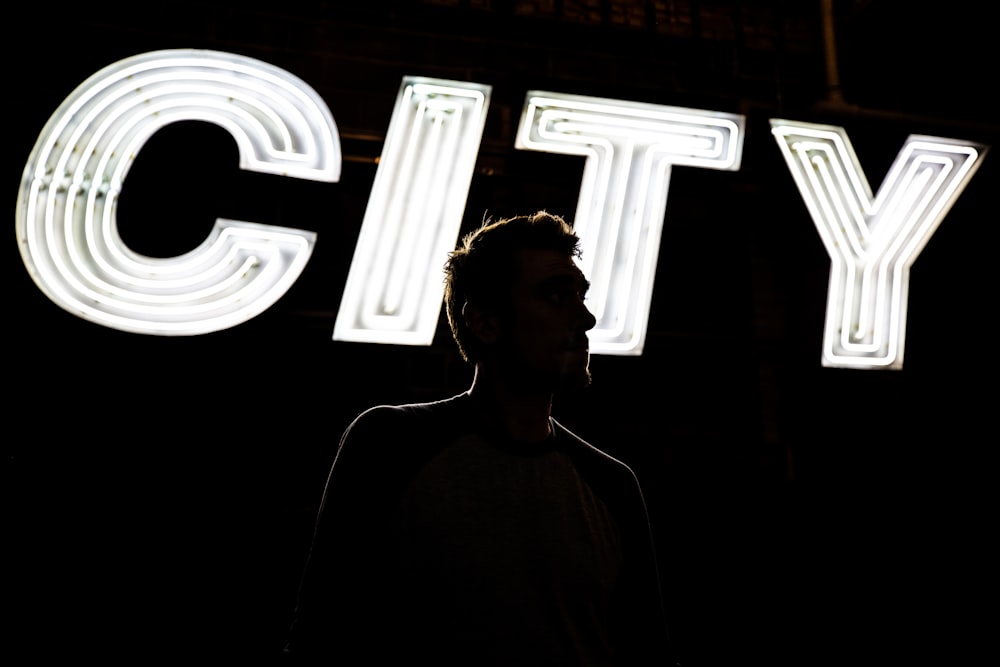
(872, 242)
(630, 148)
(395, 285)
(66, 207)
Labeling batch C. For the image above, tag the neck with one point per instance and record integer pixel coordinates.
(521, 415)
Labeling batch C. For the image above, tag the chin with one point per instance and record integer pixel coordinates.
(575, 381)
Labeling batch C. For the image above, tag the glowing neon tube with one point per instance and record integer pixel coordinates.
(66, 208)
(630, 148)
(872, 242)
(395, 287)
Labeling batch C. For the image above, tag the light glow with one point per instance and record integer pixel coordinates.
(395, 287)
(872, 242)
(66, 220)
(629, 148)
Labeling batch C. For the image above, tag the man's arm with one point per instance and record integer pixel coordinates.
(646, 636)
(641, 631)
(341, 608)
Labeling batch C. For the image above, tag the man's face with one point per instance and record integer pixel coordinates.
(544, 345)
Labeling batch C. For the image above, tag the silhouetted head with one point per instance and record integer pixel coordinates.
(515, 298)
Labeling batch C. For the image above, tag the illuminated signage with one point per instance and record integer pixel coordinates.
(395, 286)
(66, 207)
(68, 237)
(872, 241)
(629, 149)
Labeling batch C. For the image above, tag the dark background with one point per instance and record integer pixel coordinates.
(159, 491)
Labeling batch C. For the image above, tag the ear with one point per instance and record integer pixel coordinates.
(482, 322)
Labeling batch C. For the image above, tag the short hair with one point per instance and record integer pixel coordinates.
(481, 269)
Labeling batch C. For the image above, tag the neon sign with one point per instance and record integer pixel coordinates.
(67, 229)
(66, 206)
(872, 242)
(629, 149)
(395, 289)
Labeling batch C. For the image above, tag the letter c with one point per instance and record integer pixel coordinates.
(66, 207)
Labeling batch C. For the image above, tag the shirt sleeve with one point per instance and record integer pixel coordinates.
(341, 608)
(644, 637)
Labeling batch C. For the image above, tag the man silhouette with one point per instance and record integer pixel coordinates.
(476, 530)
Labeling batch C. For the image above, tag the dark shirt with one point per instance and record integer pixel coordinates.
(439, 543)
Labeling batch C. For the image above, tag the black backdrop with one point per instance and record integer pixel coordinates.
(159, 490)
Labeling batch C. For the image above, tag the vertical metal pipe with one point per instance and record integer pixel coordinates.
(834, 95)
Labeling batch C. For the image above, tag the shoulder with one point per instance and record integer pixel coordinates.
(395, 429)
(405, 415)
(580, 447)
(613, 481)
(390, 440)
(596, 464)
